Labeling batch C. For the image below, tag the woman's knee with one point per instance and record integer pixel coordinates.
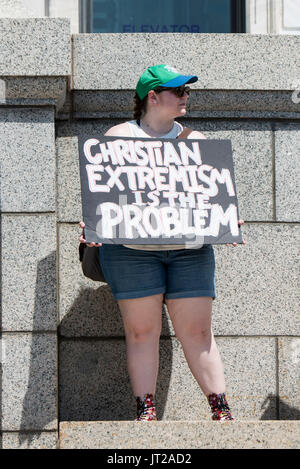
(191, 318)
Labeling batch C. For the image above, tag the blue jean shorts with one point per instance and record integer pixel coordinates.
(182, 273)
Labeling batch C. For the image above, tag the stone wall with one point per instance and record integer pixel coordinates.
(63, 347)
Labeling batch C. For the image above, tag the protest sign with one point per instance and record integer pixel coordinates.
(158, 191)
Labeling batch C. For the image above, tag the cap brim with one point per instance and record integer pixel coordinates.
(180, 80)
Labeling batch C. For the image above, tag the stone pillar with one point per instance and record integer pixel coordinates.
(33, 86)
(22, 9)
(43, 8)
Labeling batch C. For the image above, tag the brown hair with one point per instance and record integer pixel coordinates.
(140, 106)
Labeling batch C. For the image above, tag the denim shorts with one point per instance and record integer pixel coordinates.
(182, 273)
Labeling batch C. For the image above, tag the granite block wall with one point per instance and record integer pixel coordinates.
(62, 339)
(257, 305)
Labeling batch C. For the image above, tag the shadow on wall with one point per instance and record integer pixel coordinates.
(93, 380)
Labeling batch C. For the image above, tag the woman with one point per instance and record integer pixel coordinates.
(141, 277)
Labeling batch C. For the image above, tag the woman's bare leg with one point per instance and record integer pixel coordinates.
(191, 318)
(142, 318)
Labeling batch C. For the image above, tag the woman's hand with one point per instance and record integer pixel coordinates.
(82, 240)
(240, 222)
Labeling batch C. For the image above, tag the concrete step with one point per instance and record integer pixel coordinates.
(270, 434)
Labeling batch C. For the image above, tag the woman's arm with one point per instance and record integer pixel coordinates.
(197, 135)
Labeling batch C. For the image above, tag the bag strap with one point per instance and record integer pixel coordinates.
(184, 134)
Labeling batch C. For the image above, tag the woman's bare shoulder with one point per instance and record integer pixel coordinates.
(120, 130)
(196, 135)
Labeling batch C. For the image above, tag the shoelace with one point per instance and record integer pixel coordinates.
(146, 408)
(219, 407)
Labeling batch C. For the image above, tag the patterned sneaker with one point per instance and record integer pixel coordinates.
(219, 407)
(145, 408)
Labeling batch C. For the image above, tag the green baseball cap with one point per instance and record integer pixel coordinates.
(161, 75)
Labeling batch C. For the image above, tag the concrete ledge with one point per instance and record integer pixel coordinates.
(180, 435)
(222, 61)
(29, 440)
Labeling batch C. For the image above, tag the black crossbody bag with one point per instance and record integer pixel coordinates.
(90, 256)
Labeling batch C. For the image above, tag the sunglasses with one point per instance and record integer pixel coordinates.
(178, 91)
